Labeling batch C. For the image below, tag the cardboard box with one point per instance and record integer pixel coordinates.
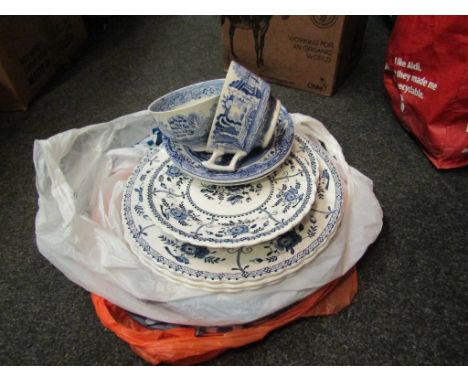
(66, 34)
(31, 50)
(313, 53)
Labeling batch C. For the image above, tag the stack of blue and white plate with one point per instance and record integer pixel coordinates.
(226, 215)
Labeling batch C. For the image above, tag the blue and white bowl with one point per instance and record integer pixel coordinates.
(185, 115)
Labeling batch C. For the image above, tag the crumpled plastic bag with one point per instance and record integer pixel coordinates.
(426, 78)
(80, 176)
(188, 345)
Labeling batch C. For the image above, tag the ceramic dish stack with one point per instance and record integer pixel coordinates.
(264, 208)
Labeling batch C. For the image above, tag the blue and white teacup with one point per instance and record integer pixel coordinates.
(186, 115)
(245, 118)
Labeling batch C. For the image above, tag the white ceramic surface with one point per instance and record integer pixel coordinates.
(234, 269)
(185, 115)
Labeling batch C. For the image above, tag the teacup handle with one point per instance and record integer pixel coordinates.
(231, 167)
(273, 121)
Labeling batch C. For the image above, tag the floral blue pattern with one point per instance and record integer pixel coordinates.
(323, 183)
(233, 194)
(184, 209)
(195, 251)
(238, 230)
(184, 252)
(178, 214)
(237, 268)
(174, 171)
(289, 196)
(288, 240)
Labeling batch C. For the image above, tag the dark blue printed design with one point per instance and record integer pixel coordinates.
(195, 251)
(174, 208)
(188, 94)
(233, 194)
(173, 258)
(323, 183)
(186, 114)
(238, 230)
(192, 128)
(243, 108)
(174, 171)
(183, 252)
(288, 240)
(247, 88)
(256, 165)
(178, 214)
(290, 197)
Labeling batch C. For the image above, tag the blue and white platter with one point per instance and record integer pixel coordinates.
(256, 165)
(230, 216)
(230, 269)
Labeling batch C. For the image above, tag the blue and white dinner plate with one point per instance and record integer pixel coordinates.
(256, 165)
(230, 216)
(231, 269)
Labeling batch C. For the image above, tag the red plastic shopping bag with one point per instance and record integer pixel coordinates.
(185, 345)
(426, 77)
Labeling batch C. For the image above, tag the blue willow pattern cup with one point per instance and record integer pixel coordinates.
(185, 115)
(245, 118)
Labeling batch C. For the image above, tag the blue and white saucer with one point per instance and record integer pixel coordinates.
(231, 269)
(256, 165)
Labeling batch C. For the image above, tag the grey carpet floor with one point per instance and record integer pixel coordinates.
(412, 304)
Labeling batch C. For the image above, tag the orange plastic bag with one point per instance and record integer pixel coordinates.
(185, 346)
